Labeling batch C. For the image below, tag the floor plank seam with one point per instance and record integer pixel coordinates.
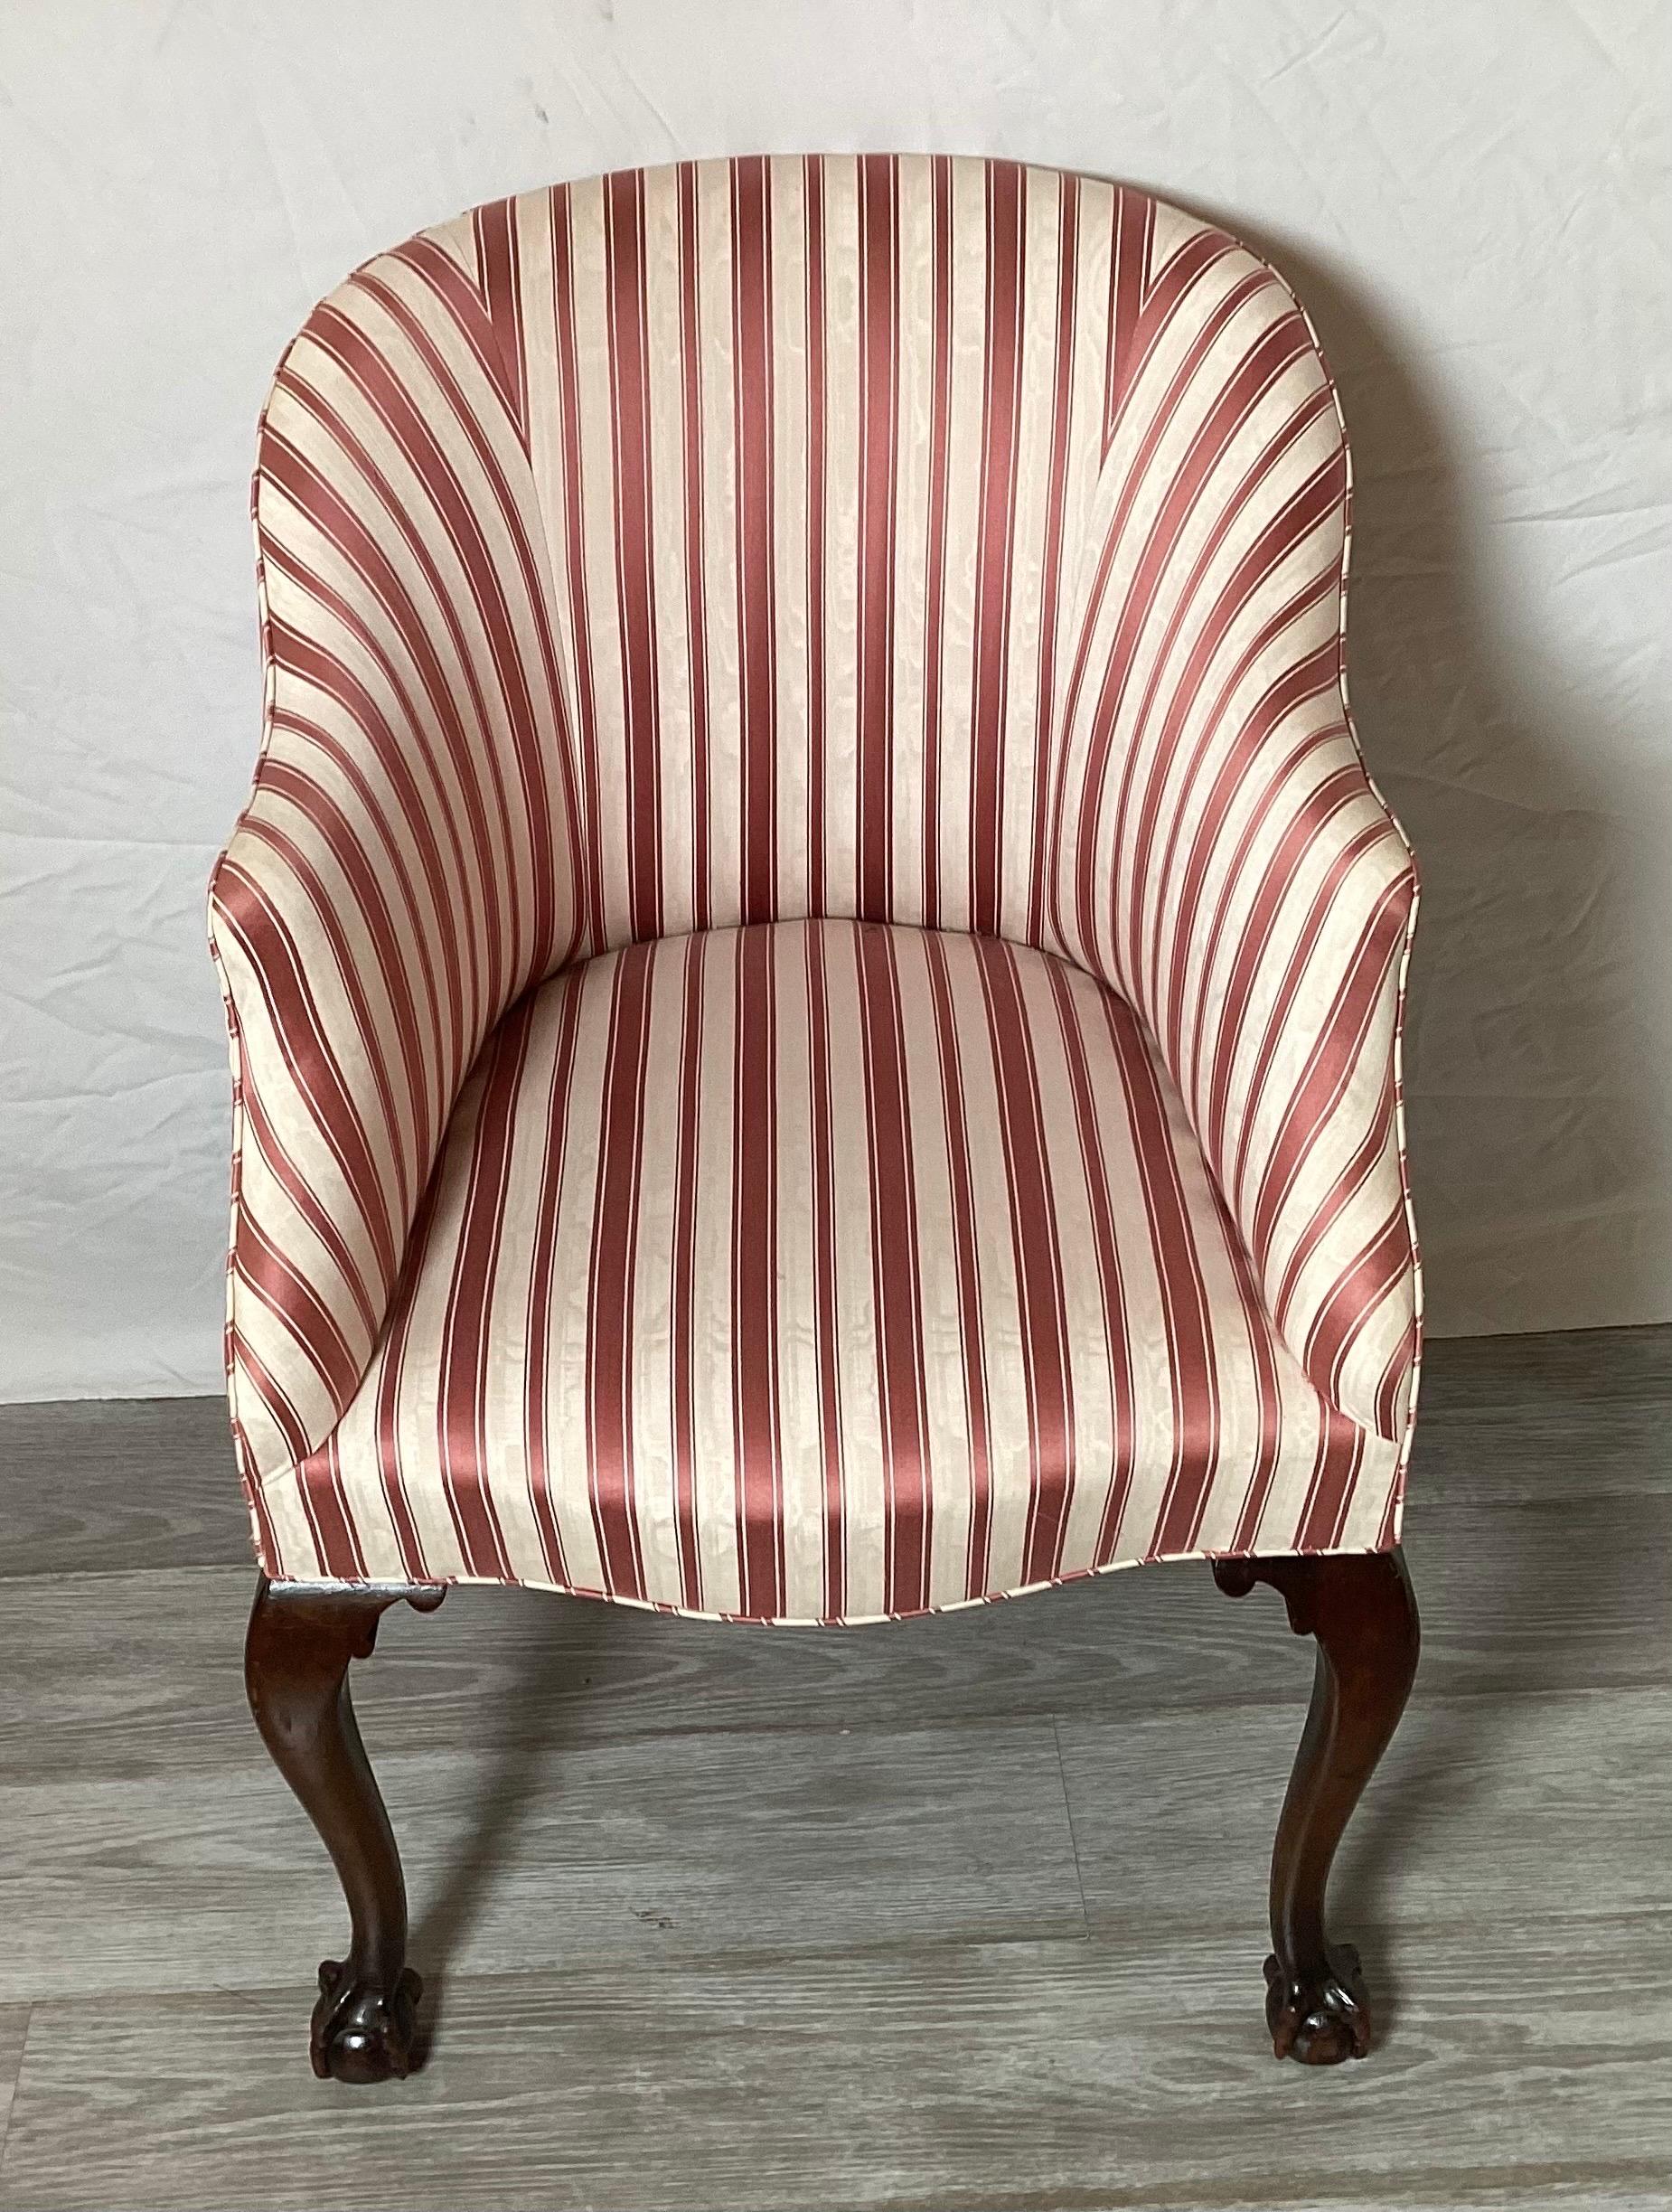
(18, 2087)
(1073, 1841)
(116, 1574)
(721, 1958)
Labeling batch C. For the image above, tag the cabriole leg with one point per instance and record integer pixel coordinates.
(1361, 1611)
(296, 1657)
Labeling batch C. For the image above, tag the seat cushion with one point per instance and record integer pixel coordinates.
(822, 1271)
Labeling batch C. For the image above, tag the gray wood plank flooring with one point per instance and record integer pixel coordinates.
(551, 1855)
(1067, 2074)
(92, 1484)
(954, 1914)
(1499, 1808)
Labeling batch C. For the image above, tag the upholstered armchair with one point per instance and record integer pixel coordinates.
(814, 973)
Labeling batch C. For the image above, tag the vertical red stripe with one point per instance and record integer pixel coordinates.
(392, 1370)
(1128, 278)
(416, 1095)
(461, 1411)
(696, 558)
(895, 1288)
(324, 1498)
(495, 226)
(1107, 671)
(1340, 1455)
(248, 913)
(754, 1278)
(821, 1126)
(628, 320)
(752, 375)
(1262, 1352)
(490, 321)
(569, 535)
(879, 346)
(1051, 561)
(1202, 995)
(384, 1127)
(995, 542)
(409, 938)
(470, 842)
(1175, 689)
(467, 509)
(818, 823)
(611, 1292)
(1166, 988)
(1112, 1291)
(967, 1247)
(682, 1348)
(1359, 1291)
(1279, 1163)
(1038, 1260)
(1337, 1035)
(1110, 731)
(543, 1475)
(1191, 1365)
(935, 739)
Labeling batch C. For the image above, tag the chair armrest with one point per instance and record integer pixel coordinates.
(395, 880)
(1223, 859)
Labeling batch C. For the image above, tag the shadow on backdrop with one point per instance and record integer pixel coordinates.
(1541, 1138)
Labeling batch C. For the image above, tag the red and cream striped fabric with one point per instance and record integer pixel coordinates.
(813, 971)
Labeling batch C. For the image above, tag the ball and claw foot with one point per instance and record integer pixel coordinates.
(360, 2033)
(1320, 2023)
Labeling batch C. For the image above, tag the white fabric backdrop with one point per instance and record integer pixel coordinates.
(1461, 192)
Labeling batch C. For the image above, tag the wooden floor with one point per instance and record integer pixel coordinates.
(957, 1914)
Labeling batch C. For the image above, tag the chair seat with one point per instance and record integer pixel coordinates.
(823, 1271)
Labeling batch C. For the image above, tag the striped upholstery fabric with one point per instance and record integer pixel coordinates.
(812, 969)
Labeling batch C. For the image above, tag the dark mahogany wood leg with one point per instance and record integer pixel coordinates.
(297, 1658)
(1361, 1611)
